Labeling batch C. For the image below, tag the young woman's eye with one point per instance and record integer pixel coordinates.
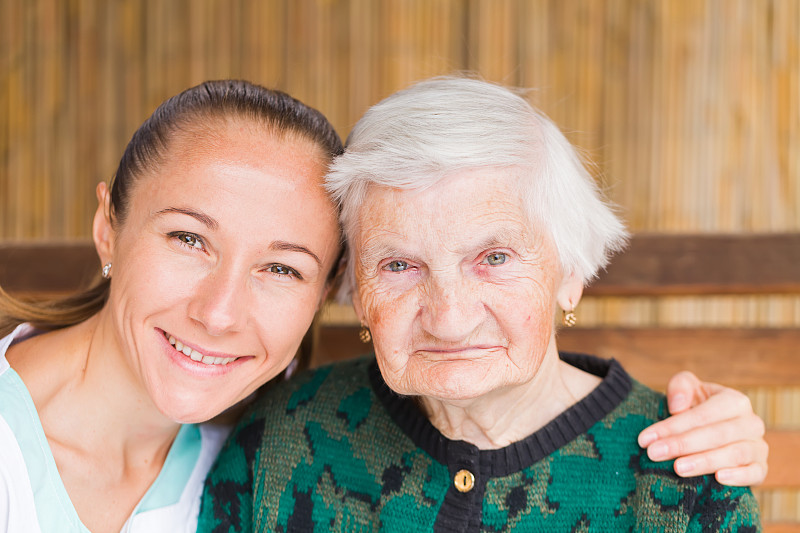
(283, 270)
(495, 258)
(188, 239)
(396, 266)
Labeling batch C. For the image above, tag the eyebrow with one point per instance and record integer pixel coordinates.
(372, 252)
(503, 238)
(205, 219)
(292, 247)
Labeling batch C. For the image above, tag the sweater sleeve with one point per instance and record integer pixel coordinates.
(725, 509)
(227, 503)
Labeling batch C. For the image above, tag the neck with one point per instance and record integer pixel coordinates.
(88, 397)
(508, 415)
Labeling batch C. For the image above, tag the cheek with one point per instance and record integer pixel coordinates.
(283, 317)
(527, 315)
(386, 311)
(390, 318)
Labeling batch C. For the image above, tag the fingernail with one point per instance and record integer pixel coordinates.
(724, 476)
(647, 438)
(657, 452)
(684, 467)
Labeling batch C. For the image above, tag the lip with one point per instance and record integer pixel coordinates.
(462, 352)
(200, 349)
(194, 366)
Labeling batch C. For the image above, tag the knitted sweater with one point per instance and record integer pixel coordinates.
(336, 450)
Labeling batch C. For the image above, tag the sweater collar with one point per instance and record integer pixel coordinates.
(576, 420)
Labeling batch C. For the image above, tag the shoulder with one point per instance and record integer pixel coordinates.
(663, 500)
(660, 498)
(17, 506)
(317, 406)
(271, 440)
(641, 407)
(312, 394)
(317, 392)
(20, 333)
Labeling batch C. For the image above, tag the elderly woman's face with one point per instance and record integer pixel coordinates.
(458, 289)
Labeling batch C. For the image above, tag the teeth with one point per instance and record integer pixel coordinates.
(195, 355)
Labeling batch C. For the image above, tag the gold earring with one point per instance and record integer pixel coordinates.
(107, 270)
(364, 334)
(569, 318)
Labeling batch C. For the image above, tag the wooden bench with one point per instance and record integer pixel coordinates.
(654, 266)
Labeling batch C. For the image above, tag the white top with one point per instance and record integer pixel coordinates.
(32, 496)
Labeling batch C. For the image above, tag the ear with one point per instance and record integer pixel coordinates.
(570, 291)
(102, 231)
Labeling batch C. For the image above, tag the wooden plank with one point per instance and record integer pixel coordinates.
(654, 265)
(337, 343)
(703, 264)
(782, 527)
(784, 467)
(47, 267)
(738, 358)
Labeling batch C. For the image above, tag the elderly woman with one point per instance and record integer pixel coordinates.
(471, 224)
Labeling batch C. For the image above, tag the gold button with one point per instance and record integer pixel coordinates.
(464, 481)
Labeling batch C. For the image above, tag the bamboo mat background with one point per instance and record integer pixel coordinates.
(689, 108)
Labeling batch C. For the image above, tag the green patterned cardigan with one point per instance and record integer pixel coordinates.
(336, 450)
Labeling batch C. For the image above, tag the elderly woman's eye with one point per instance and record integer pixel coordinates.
(396, 266)
(188, 239)
(283, 270)
(495, 258)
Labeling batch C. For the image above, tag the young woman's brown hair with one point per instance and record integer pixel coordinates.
(198, 106)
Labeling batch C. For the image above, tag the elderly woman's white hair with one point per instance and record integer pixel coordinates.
(422, 134)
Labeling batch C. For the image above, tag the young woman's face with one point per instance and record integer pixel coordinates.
(219, 267)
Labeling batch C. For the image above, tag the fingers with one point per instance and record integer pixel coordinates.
(739, 464)
(728, 457)
(685, 390)
(709, 437)
(743, 476)
(733, 448)
(713, 430)
(726, 404)
(682, 389)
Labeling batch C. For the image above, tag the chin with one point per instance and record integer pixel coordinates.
(187, 411)
(454, 381)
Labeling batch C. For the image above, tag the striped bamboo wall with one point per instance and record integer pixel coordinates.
(690, 108)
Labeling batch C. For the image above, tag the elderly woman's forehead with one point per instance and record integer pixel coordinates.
(506, 180)
(485, 205)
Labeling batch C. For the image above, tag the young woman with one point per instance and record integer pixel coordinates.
(217, 242)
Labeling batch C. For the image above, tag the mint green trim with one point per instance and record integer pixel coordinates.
(178, 467)
(54, 509)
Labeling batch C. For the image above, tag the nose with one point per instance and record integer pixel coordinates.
(219, 302)
(452, 308)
